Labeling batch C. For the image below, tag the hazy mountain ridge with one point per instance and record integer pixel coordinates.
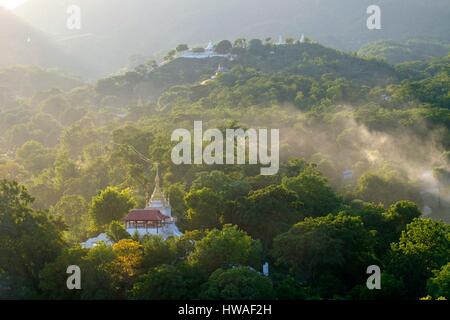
(398, 52)
(20, 43)
(24, 81)
(114, 30)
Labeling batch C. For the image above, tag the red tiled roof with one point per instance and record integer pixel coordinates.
(145, 215)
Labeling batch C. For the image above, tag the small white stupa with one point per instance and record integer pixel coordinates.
(280, 41)
(302, 39)
(210, 47)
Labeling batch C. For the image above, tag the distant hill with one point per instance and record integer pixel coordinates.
(114, 30)
(24, 81)
(20, 43)
(410, 50)
(300, 59)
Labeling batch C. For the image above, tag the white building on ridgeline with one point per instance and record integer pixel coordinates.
(207, 52)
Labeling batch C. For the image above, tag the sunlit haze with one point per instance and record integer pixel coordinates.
(244, 151)
(11, 4)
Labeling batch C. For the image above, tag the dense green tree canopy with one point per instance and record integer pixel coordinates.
(270, 211)
(423, 247)
(439, 285)
(28, 240)
(363, 154)
(109, 205)
(168, 282)
(325, 251)
(157, 252)
(314, 192)
(240, 283)
(224, 248)
(223, 47)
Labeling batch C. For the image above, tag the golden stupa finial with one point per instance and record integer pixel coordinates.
(157, 193)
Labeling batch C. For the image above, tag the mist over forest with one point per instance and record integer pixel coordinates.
(87, 176)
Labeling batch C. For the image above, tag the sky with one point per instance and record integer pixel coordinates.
(11, 4)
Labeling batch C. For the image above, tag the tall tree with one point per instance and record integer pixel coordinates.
(204, 208)
(329, 253)
(28, 240)
(270, 211)
(314, 192)
(241, 283)
(168, 282)
(109, 205)
(157, 252)
(73, 210)
(439, 285)
(423, 247)
(223, 248)
(223, 47)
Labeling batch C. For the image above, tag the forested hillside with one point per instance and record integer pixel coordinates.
(364, 178)
(24, 81)
(410, 50)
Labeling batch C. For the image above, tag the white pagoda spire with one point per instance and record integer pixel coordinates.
(158, 200)
(157, 194)
(280, 41)
(210, 46)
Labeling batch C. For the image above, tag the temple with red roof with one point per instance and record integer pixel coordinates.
(155, 219)
(145, 218)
